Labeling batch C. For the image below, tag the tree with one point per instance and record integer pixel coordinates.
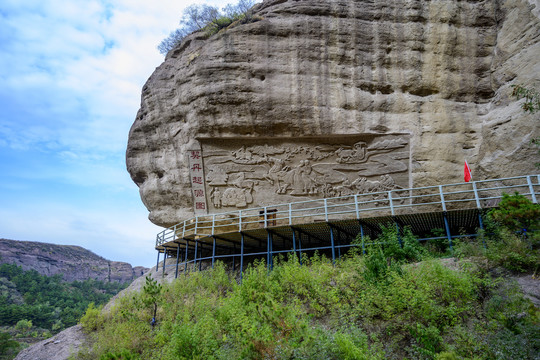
(151, 294)
(7, 345)
(207, 18)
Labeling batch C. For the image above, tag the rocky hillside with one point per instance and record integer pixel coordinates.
(73, 262)
(418, 86)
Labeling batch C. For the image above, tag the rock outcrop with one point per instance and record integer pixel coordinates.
(62, 346)
(325, 97)
(72, 262)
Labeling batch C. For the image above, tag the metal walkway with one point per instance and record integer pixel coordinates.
(330, 225)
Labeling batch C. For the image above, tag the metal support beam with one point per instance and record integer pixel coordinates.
(213, 251)
(164, 259)
(342, 230)
(294, 242)
(300, 247)
(362, 239)
(481, 225)
(269, 254)
(200, 258)
(447, 227)
(186, 260)
(333, 246)
(308, 234)
(241, 255)
(233, 242)
(339, 244)
(157, 264)
(195, 255)
(177, 258)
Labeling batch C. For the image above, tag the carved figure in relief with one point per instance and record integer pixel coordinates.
(388, 183)
(243, 154)
(276, 173)
(216, 176)
(304, 169)
(215, 195)
(302, 179)
(364, 185)
(355, 155)
(346, 188)
(237, 197)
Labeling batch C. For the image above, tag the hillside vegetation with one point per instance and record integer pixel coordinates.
(395, 302)
(33, 306)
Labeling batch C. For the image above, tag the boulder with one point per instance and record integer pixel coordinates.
(318, 98)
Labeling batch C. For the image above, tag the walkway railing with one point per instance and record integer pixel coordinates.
(440, 198)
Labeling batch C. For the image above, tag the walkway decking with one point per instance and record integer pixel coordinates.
(329, 225)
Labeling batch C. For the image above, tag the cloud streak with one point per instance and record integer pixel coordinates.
(72, 73)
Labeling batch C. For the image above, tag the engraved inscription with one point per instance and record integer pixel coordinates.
(196, 174)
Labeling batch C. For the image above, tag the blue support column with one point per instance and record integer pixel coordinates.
(481, 224)
(339, 244)
(185, 262)
(362, 239)
(448, 234)
(164, 259)
(157, 263)
(213, 251)
(333, 246)
(269, 255)
(294, 241)
(195, 255)
(177, 258)
(300, 247)
(241, 255)
(200, 257)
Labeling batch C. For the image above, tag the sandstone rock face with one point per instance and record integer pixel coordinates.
(72, 262)
(327, 97)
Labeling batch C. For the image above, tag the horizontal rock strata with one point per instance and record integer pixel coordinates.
(435, 73)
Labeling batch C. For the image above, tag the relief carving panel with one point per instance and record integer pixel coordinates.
(247, 172)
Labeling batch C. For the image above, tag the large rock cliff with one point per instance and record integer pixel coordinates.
(72, 262)
(326, 97)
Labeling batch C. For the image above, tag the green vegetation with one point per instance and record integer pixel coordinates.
(512, 236)
(384, 305)
(29, 300)
(208, 19)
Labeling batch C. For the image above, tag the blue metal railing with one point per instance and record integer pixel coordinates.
(477, 194)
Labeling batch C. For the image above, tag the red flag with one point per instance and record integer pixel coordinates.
(467, 172)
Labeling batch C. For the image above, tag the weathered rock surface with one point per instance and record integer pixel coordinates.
(431, 77)
(59, 347)
(72, 262)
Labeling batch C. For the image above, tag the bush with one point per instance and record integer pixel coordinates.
(92, 319)
(321, 311)
(517, 213)
(208, 19)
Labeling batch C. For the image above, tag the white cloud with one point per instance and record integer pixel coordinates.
(72, 74)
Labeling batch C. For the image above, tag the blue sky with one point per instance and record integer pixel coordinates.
(71, 74)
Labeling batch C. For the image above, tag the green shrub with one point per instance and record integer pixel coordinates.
(517, 213)
(24, 326)
(92, 319)
(120, 355)
(320, 311)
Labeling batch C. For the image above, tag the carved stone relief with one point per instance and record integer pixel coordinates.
(242, 173)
